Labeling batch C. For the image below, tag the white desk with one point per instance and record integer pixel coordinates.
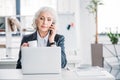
(7, 63)
(16, 74)
(93, 73)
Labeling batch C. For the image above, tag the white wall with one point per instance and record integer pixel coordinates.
(71, 6)
(84, 24)
(7, 7)
(85, 27)
(87, 30)
(29, 7)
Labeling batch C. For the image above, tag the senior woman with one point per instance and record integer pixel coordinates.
(45, 34)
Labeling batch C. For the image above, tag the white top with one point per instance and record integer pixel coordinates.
(42, 42)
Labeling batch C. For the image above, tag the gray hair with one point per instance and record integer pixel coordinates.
(45, 9)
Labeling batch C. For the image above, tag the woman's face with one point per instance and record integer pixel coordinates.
(44, 21)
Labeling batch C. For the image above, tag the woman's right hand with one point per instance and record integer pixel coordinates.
(25, 45)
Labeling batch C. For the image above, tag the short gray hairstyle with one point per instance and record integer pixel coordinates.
(45, 9)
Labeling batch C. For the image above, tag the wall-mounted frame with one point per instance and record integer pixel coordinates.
(2, 24)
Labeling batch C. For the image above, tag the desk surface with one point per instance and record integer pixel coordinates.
(16, 74)
(8, 61)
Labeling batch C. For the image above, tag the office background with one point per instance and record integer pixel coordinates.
(80, 36)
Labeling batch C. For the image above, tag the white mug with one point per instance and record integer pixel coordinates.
(32, 43)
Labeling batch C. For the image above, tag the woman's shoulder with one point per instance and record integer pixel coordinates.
(34, 34)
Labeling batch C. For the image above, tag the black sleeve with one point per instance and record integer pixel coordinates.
(63, 55)
(18, 66)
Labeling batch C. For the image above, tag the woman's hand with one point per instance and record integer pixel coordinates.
(52, 33)
(25, 45)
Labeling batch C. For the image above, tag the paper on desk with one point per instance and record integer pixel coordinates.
(90, 72)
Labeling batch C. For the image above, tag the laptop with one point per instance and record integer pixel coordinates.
(41, 60)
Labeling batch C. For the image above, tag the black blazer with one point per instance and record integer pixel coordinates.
(59, 39)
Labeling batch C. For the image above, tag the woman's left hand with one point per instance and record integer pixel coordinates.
(52, 33)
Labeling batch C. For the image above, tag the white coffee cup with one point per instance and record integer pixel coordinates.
(32, 43)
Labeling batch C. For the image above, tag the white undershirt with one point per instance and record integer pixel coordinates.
(42, 42)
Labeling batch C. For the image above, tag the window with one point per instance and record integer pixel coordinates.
(109, 16)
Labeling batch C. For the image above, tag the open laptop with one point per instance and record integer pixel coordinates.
(41, 60)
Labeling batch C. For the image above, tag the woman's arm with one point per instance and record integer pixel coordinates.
(63, 55)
